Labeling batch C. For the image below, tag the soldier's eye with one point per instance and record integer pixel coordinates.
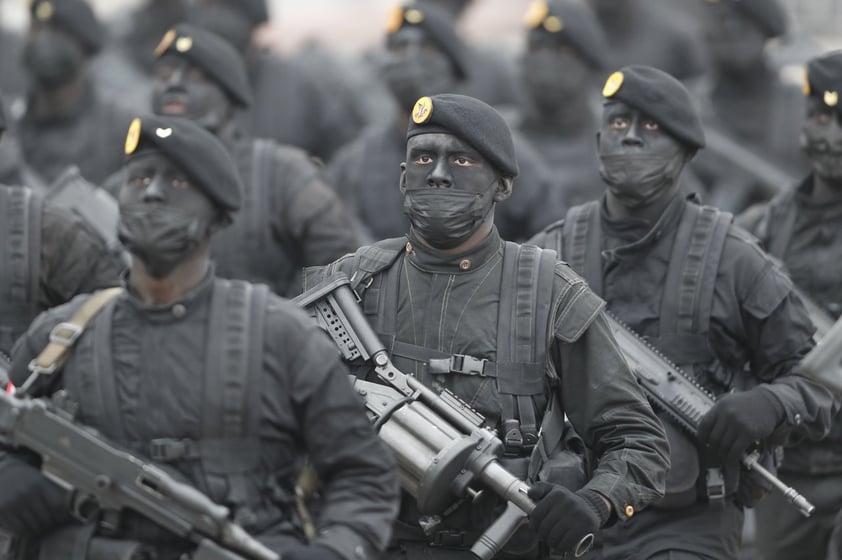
(180, 183)
(462, 161)
(423, 160)
(822, 118)
(140, 181)
(619, 123)
(651, 125)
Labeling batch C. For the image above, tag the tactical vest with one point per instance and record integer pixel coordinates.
(522, 332)
(248, 249)
(782, 212)
(20, 262)
(225, 462)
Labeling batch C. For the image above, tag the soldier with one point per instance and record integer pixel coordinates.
(704, 294)
(424, 56)
(47, 256)
(177, 338)
(747, 101)
(65, 122)
(507, 328)
(290, 218)
(566, 49)
(293, 103)
(801, 228)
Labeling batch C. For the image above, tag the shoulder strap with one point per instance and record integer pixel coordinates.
(64, 335)
(255, 198)
(583, 243)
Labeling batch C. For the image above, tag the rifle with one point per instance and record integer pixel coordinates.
(684, 400)
(102, 476)
(438, 440)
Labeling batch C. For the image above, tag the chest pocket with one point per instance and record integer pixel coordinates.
(515, 382)
(225, 460)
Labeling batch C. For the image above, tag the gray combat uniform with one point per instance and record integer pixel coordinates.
(290, 219)
(47, 256)
(807, 238)
(508, 328)
(242, 387)
(702, 292)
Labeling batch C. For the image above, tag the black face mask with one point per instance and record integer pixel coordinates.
(552, 78)
(226, 22)
(161, 237)
(52, 59)
(445, 218)
(823, 145)
(637, 180)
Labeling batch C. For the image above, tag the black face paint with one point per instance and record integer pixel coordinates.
(414, 67)
(183, 90)
(553, 73)
(449, 189)
(639, 162)
(822, 140)
(52, 58)
(225, 21)
(163, 218)
(736, 43)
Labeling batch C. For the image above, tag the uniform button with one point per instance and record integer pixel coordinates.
(797, 419)
(629, 510)
(408, 247)
(464, 264)
(178, 311)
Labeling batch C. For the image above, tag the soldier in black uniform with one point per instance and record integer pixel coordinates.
(290, 217)
(65, 122)
(293, 103)
(177, 339)
(747, 101)
(702, 292)
(425, 56)
(509, 329)
(47, 256)
(566, 50)
(801, 228)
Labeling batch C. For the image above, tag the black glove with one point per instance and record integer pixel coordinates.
(738, 420)
(30, 504)
(562, 518)
(311, 552)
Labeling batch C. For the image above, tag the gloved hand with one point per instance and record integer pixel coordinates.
(30, 504)
(311, 552)
(738, 420)
(562, 518)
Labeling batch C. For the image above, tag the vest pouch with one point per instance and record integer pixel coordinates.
(684, 471)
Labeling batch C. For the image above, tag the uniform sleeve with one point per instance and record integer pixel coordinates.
(74, 259)
(310, 214)
(360, 496)
(606, 406)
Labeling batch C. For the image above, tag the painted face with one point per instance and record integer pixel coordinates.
(822, 141)
(163, 217)
(183, 90)
(414, 66)
(639, 161)
(552, 73)
(51, 57)
(735, 42)
(448, 189)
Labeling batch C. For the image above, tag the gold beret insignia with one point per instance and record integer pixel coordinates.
(394, 20)
(183, 44)
(44, 11)
(414, 16)
(536, 14)
(553, 24)
(612, 84)
(165, 43)
(133, 136)
(831, 98)
(422, 111)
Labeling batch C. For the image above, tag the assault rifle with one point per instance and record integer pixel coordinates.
(104, 477)
(438, 440)
(684, 400)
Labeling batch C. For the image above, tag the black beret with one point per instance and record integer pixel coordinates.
(256, 11)
(472, 121)
(661, 97)
(74, 16)
(213, 54)
(770, 15)
(824, 79)
(196, 151)
(572, 23)
(438, 27)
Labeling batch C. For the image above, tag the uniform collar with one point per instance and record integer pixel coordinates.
(176, 311)
(430, 260)
(637, 234)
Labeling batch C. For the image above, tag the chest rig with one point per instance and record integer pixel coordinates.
(224, 460)
(20, 262)
(522, 332)
(248, 248)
